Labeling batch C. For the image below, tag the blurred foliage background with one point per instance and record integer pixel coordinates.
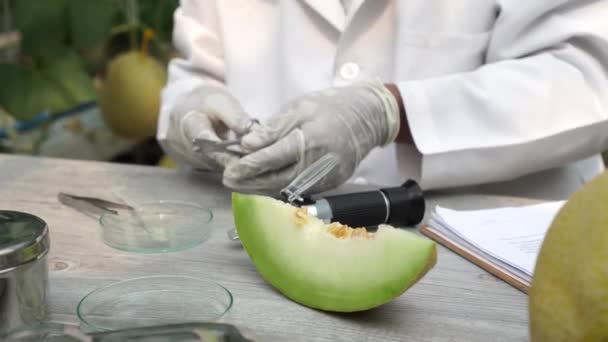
(58, 58)
(82, 78)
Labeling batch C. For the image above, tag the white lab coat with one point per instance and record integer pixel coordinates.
(502, 96)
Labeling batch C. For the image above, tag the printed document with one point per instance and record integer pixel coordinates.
(507, 238)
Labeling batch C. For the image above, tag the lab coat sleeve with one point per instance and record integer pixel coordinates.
(196, 36)
(539, 102)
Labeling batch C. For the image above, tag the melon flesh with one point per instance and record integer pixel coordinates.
(328, 266)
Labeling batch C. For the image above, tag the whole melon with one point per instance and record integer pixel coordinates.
(569, 293)
(130, 96)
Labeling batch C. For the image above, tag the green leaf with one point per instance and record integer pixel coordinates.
(30, 92)
(90, 21)
(11, 97)
(42, 25)
(69, 76)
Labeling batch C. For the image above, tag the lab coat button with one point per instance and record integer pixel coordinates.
(349, 71)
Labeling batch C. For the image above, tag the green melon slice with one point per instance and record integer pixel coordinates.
(328, 267)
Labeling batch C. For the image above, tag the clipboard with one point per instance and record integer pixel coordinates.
(477, 258)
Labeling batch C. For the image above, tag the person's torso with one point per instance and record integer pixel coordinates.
(278, 50)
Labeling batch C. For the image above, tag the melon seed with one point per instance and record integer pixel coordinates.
(301, 216)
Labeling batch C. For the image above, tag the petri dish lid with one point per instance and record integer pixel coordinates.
(153, 301)
(157, 227)
(23, 238)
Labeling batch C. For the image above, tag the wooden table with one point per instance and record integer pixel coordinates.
(456, 301)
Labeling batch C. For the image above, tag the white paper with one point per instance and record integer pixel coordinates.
(496, 263)
(513, 235)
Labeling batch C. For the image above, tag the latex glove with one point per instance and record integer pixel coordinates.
(209, 114)
(348, 121)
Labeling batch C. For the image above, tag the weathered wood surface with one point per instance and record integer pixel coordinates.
(456, 301)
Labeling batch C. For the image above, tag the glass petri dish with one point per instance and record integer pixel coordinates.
(151, 301)
(157, 227)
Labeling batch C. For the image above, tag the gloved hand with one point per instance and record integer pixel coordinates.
(208, 114)
(348, 121)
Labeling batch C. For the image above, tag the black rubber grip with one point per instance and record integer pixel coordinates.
(407, 204)
(399, 206)
(358, 209)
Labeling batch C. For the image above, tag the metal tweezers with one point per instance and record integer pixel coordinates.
(223, 146)
(91, 204)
